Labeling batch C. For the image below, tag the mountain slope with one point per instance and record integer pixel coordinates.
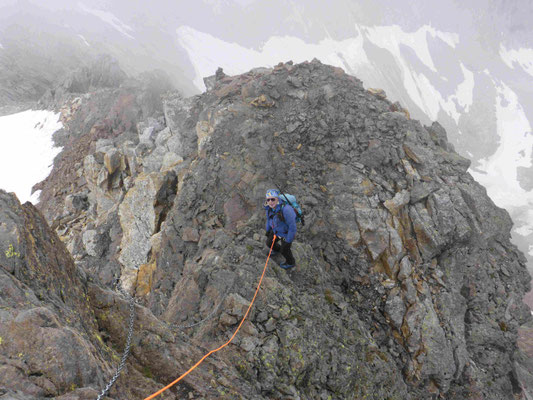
(406, 285)
(480, 95)
(469, 71)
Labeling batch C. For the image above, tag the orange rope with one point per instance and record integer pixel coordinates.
(225, 344)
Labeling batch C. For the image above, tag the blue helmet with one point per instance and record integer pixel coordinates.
(272, 193)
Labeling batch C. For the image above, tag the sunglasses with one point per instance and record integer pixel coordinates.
(272, 199)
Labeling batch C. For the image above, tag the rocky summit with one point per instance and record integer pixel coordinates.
(406, 283)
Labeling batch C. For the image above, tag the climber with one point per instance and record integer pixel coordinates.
(281, 221)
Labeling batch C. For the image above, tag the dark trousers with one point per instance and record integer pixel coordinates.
(281, 246)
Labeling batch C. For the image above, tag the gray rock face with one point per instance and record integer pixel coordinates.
(103, 72)
(93, 243)
(138, 220)
(406, 285)
(46, 328)
(51, 343)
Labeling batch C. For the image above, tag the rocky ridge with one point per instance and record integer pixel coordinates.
(407, 286)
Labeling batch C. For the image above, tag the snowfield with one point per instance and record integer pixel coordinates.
(27, 151)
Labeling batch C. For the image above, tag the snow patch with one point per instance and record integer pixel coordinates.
(84, 40)
(1, 47)
(207, 53)
(27, 151)
(498, 173)
(530, 252)
(465, 90)
(110, 19)
(417, 85)
(391, 37)
(430, 100)
(523, 57)
(524, 230)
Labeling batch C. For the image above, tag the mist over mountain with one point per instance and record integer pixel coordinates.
(142, 36)
(127, 78)
(468, 66)
(40, 42)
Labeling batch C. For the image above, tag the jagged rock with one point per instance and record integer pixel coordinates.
(436, 358)
(76, 202)
(203, 131)
(170, 159)
(96, 176)
(395, 308)
(428, 239)
(439, 135)
(446, 209)
(421, 190)
(417, 153)
(46, 335)
(379, 93)
(138, 222)
(406, 285)
(163, 136)
(103, 72)
(183, 140)
(210, 82)
(399, 200)
(93, 242)
(104, 145)
(457, 160)
(405, 269)
(152, 157)
(112, 160)
(147, 134)
(374, 232)
(236, 305)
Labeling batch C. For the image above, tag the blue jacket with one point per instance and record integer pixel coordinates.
(285, 229)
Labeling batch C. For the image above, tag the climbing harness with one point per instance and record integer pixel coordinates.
(230, 339)
(128, 343)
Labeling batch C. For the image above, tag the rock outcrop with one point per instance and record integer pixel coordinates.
(48, 334)
(406, 286)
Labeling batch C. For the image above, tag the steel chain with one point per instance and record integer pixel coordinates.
(126, 349)
(130, 335)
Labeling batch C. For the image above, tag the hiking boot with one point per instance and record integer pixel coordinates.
(286, 266)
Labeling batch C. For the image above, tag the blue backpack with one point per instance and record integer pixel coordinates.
(291, 201)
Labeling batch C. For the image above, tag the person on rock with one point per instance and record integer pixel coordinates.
(280, 221)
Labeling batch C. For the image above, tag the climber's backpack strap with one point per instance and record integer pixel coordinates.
(291, 200)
